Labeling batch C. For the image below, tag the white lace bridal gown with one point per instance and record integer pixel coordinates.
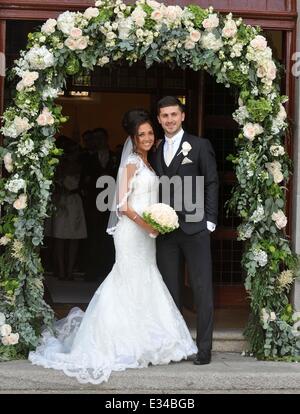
(131, 320)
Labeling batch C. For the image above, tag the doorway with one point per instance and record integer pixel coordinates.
(99, 98)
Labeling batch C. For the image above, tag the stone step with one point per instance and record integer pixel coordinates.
(227, 340)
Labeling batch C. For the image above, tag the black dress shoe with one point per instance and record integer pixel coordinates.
(202, 358)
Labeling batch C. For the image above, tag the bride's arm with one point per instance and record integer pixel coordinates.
(125, 207)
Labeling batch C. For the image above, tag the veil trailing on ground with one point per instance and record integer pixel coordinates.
(114, 213)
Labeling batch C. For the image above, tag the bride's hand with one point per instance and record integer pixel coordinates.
(152, 232)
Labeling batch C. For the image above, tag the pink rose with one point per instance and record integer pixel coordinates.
(259, 43)
(75, 33)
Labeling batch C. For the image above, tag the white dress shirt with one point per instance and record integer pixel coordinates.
(176, 140)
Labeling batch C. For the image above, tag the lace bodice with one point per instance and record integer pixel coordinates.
(142, 189)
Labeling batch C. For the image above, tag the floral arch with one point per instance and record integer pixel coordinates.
(236, 55)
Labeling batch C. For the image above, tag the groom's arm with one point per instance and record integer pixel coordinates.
(208, 167)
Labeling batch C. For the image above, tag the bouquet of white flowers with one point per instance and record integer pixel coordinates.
(161, 217)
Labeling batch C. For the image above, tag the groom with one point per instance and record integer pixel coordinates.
(183, 155)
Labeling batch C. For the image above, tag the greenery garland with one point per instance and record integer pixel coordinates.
(236, 55)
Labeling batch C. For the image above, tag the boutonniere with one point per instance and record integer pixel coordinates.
(185, 148)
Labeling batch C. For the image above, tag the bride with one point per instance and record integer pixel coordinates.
(131, 321)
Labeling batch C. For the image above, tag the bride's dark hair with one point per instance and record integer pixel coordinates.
(133, 119)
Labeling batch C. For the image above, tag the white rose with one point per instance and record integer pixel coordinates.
(91, 12)
(250, 130)
(21, 202)
(103, 61)
(8, 162)
(271, 70)
(259, 43)
(71, 43)
(157, 15)
(45, 118)
(230, 29)
(172, 13)
(21, 124)
(99, 3)
(153, 4)
(211, 22)
(138, 16)
(5, 341)
(75, 33)
(278, 177)
(13, 338)
(258, 129)
(111, 36)
(5, 330)
(49, 26)
(277, 150)
(82, 43)
(282, 115)
(280, 219)
(195, 36)
(189, 44)
(28, 79)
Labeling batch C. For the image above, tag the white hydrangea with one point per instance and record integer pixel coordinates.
(240, 115)
(15, 184)
(245, 231)
(258, 215)
(39, 58)
(25, 147)
(50, 92)
(236, 50)
(209, 41)
(66, 22)
(260, 256)
(125, 26)
(279, 122)
(2, 318)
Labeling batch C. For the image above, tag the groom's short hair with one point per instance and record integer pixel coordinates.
(169, 101)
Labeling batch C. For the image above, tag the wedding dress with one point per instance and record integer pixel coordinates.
(131, 320)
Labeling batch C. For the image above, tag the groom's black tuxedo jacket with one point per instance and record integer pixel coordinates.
(203, 164)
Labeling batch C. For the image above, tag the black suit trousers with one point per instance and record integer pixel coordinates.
(173, 250)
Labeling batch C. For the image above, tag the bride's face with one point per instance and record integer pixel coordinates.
(144, 138)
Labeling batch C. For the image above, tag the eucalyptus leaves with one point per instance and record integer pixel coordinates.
(110, 33)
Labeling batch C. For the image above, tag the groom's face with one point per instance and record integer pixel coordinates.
(171, 118)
